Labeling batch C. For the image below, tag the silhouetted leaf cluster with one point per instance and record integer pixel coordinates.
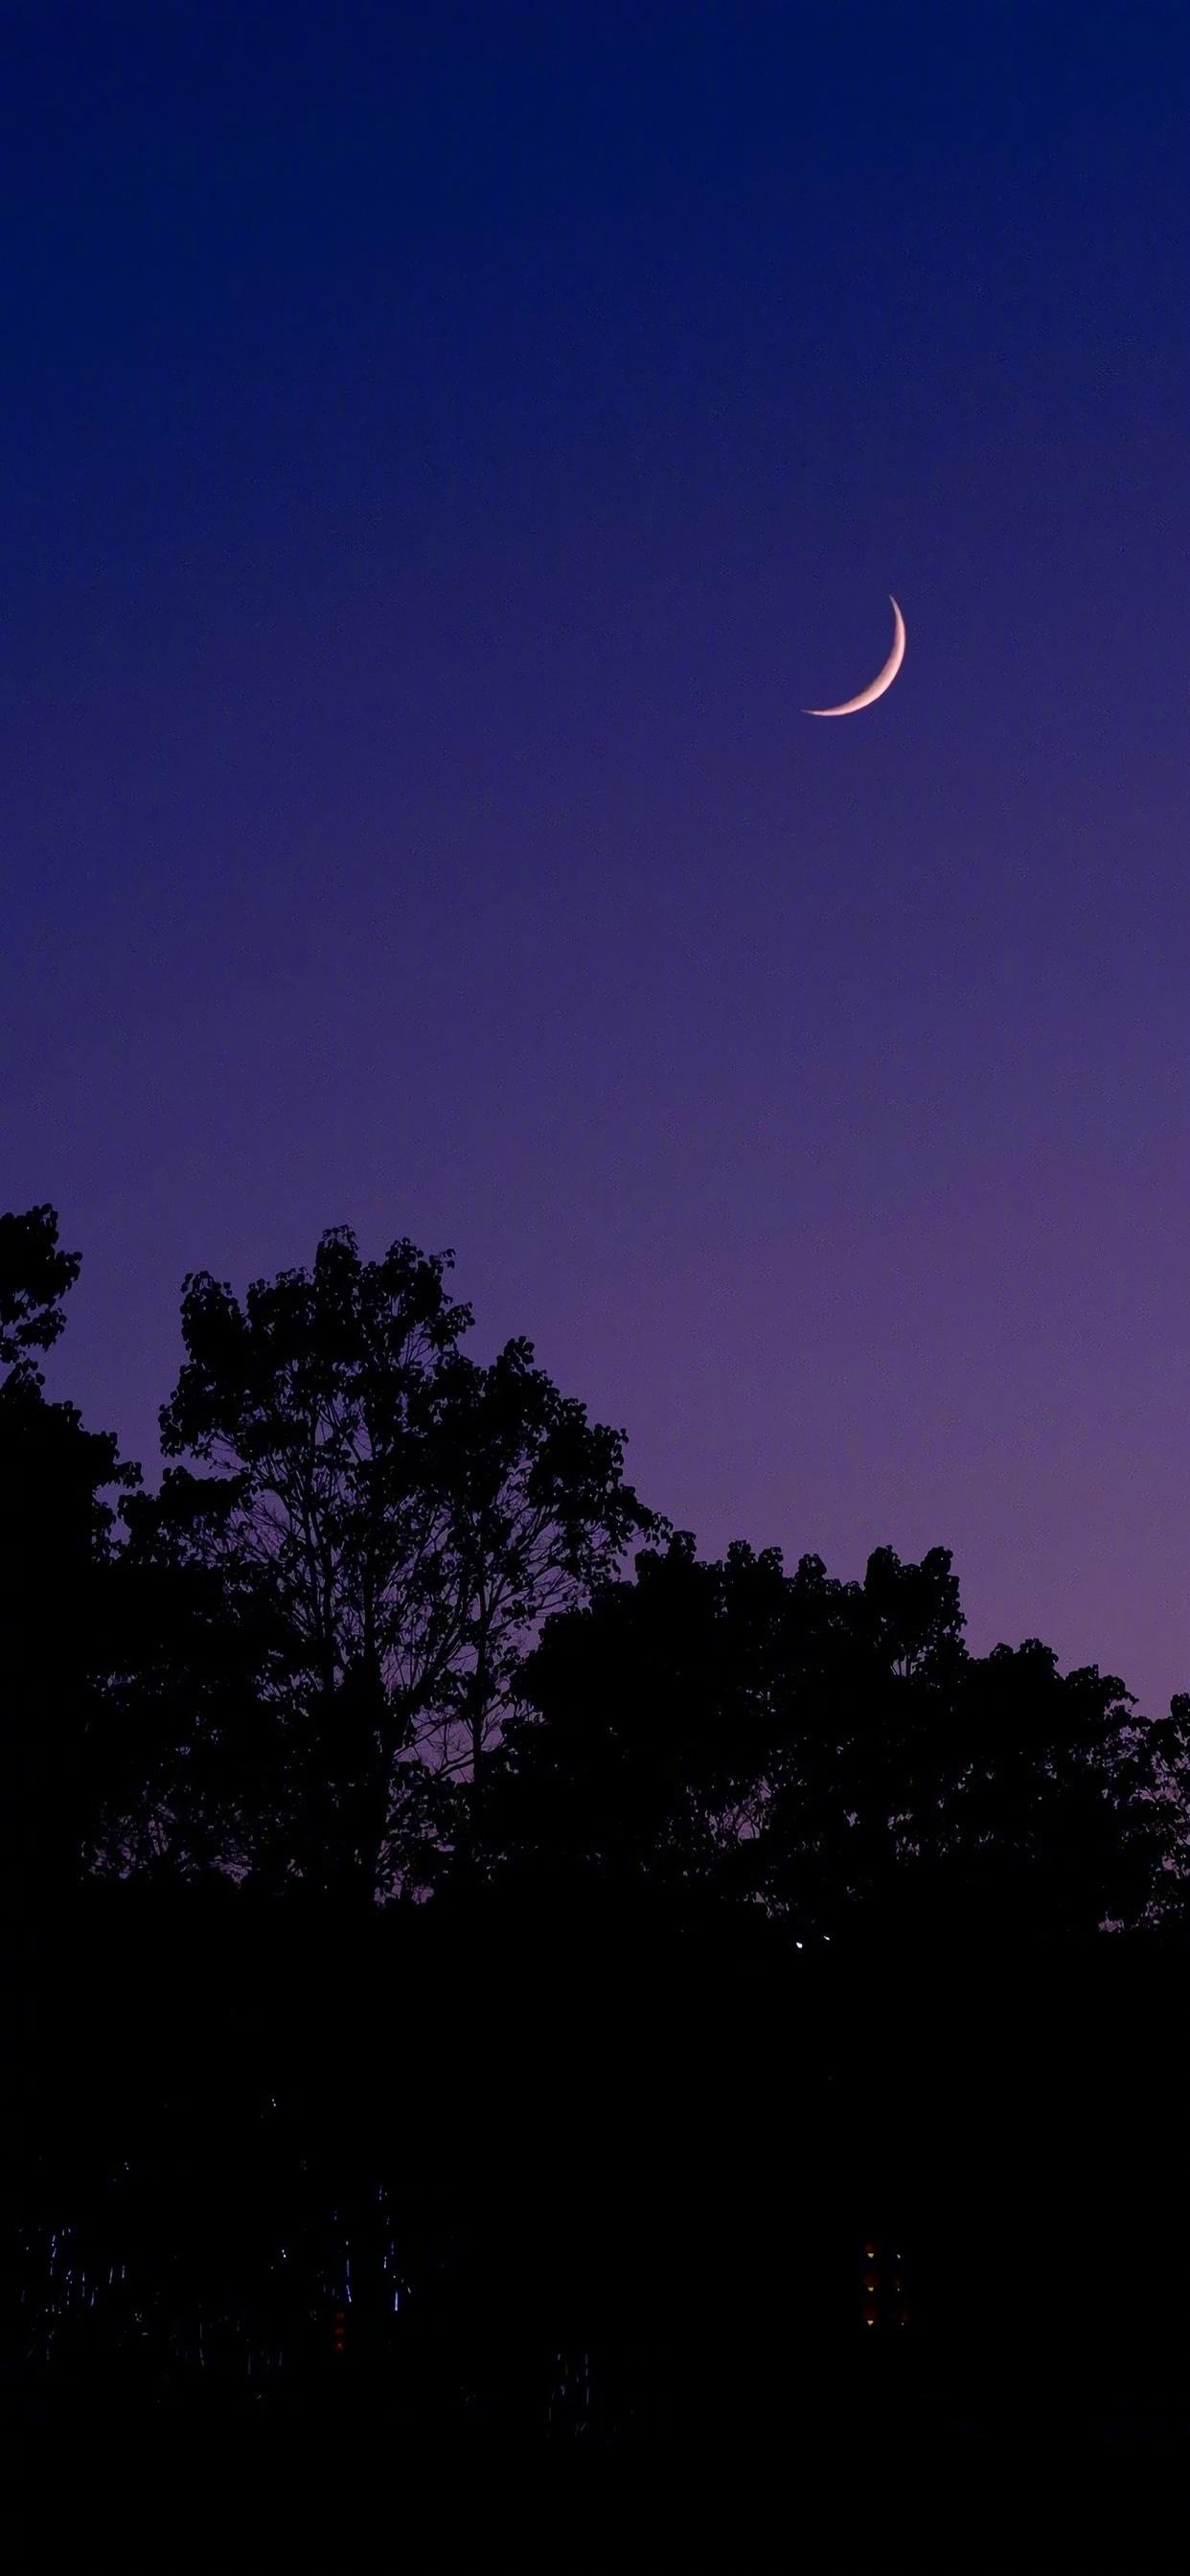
(373, 1636)
(465, 1985)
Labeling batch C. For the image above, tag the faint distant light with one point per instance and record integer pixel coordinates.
(799, 1945)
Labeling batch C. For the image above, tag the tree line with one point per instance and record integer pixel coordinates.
(373, 1637)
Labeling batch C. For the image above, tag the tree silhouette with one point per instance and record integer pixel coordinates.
(1156, 1820)
(35, 1275)
(373, 1633)
(56, 1553)
(636, 1759)
(856, 1772)
(410, 1516)
(832, 1752)
(198, 1662)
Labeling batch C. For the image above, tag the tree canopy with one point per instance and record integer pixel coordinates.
(376, 1634)
(402, 1518)
(58, 1484)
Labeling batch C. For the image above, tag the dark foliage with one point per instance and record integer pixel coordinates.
(513, 1990)
(57, 1572)
(832, 1752)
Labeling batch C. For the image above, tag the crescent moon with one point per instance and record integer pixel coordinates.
(883, 680)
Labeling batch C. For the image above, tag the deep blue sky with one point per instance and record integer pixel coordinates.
(441, 452)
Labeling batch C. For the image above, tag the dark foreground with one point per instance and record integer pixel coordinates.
(417, 2182)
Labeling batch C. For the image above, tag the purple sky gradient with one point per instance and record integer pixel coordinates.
(439, 463)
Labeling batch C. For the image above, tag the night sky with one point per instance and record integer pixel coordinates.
(442, 451)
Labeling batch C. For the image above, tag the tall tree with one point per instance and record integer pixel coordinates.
(35, 1275)
(637, 1758)
(56, 1551)
(413, 1516)
(1165, 1757)
(198, 1663)
(832, 1751)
